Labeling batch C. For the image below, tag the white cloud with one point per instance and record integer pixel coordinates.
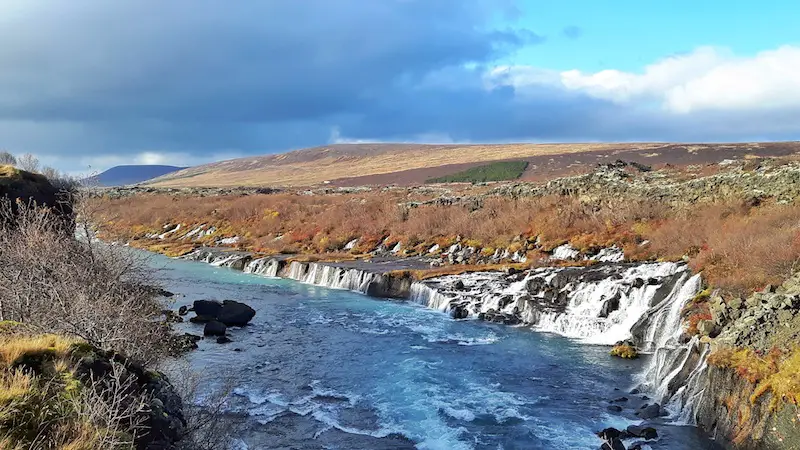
(707, 79)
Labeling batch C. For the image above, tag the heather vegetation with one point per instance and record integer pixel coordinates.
(498, 171)
(740, 246)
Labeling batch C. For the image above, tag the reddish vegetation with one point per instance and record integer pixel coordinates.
(739, 247)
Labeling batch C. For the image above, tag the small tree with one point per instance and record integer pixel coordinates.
(7, 158)
(28, 162)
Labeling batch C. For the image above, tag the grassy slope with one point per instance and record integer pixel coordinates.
(313, 166)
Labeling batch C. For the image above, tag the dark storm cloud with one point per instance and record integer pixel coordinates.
(102, 80)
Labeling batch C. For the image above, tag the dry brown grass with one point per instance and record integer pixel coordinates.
(331, 163)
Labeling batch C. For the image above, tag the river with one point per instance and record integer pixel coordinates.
(330, 369)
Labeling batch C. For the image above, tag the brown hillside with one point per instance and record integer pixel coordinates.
(357, 164)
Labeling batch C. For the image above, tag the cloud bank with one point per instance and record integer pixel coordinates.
(181, 82)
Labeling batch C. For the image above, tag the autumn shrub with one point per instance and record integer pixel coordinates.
(624, 351)
(739, 246)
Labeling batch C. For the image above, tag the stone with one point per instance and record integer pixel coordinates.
(648, 412)
(609, 433)
(614, 408)
(183, 310)
(235, 314)
(735, 303)
(785, 316)
(185, 343)
(642, 432)
(210, 308)
(225, 340)
(201, 319)
(706, 327)
(214, 328)
(613, 444)
(610, 305)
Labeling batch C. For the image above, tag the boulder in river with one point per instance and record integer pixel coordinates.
(235, 314)
(210, 308)
(613, 444)
(214, 328)
(648, 412)
(642, 432)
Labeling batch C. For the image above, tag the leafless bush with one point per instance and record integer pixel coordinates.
(55, 283)
(28, 162)
(60, 180)
(7, 158)
(115, 408)
(207, 427)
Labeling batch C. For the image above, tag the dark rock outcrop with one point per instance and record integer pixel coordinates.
(209, 308)
(214, 328)
(164, 423)
(235, 314)
(31, 188)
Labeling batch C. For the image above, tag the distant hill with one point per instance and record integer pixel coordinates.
(404, 164)
(132, 174)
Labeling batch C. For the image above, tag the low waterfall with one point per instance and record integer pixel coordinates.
(600, 305)
(429, 297)
(332, 276)
(267, 267)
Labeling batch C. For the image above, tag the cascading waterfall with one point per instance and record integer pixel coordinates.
(664, 328)
(675, 372)
(600, 304)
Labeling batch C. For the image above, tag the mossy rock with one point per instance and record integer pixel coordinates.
(624, 351)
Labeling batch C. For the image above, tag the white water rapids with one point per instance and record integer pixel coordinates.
(596, 305)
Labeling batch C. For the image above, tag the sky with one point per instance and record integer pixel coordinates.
(89, 84)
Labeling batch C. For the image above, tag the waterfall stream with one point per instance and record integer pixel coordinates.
(601, 305)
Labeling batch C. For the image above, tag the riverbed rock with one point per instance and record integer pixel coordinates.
(235, 314)
(459, 312)
(609, 433)
(613, 444)
(185, 343)
(224, 340)
(650, 412)
(202, 319)
(642, 432)
(210, 308)
(214, 328)
(610, 305)
(183, 310)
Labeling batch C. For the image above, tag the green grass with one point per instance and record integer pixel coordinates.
(499, 171)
